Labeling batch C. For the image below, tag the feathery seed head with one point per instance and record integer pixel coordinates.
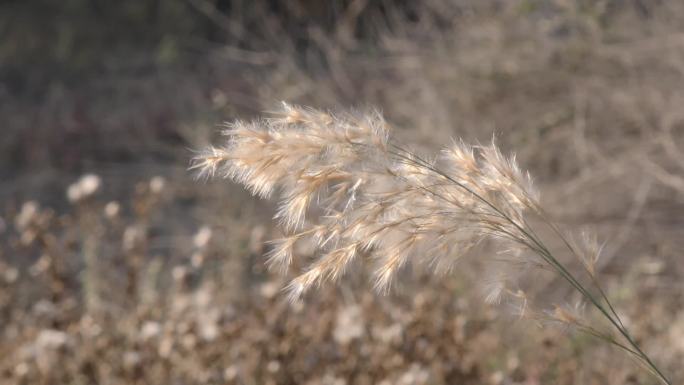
(371, 197)
(377, 199)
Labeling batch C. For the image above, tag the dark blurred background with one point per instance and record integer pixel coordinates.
(100, 72)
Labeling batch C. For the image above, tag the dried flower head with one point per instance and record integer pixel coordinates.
(157, 184)
(86, 186)
(112, 209)
(28, 213)
(202, 237)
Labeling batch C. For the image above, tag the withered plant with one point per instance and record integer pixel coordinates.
(373, 197)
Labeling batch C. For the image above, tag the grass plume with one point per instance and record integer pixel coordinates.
(372, 197)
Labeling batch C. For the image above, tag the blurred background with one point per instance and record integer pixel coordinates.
(117, 267)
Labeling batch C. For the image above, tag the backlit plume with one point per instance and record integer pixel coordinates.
(368, 196)
(348, 189)
(352, 192)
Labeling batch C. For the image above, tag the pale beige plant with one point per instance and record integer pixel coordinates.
(371, 197)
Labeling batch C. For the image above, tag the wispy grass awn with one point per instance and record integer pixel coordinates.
(376, 198)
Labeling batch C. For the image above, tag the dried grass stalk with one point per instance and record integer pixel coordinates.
(374, 198)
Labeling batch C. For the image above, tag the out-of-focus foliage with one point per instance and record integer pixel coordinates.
(47, 41)
(72, 40)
